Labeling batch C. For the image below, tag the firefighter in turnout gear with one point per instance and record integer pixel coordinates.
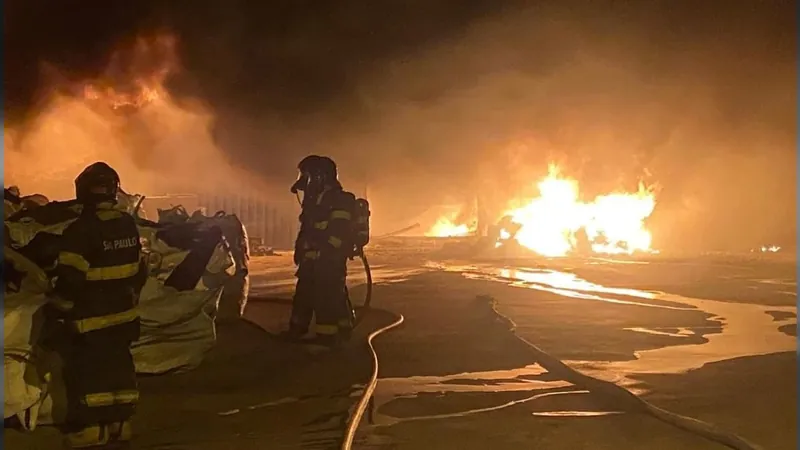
(324, 244)
(99, 275)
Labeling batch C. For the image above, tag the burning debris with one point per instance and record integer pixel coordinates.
(135, 75)
(127, 117)
(445, 227)
(557, 222)
(505, 232)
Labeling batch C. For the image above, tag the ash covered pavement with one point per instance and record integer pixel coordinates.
(709, 338)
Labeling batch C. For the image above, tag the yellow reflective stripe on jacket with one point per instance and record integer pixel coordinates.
(321, 225)
(111, 398)
(326, 329)
(108, 214)
(77, 261)
(340, 214)
(113, 272)
(61, 304)
(335, 242)
(100, 322)
(73, 260)
(313, 254)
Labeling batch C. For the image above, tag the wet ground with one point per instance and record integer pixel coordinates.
(725, 362)
(711, 338)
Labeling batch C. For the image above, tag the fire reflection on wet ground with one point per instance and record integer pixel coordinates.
(745, 329)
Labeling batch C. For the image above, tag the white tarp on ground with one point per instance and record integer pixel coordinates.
(177, 326)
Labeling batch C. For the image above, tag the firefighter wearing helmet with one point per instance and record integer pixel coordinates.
(324, 244)
(99, 275)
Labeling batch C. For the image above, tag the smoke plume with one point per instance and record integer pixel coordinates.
(435, 102)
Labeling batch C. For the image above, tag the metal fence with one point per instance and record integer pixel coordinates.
(275, 223)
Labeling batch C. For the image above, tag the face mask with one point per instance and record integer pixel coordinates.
(301, 183)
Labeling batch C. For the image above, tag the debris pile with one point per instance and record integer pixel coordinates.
(197, 272)
(258, 248)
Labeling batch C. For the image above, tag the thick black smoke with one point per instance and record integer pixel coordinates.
(259, 64)
(456, 96)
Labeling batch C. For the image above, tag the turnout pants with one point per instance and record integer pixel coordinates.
(321, 291)
(100, 380)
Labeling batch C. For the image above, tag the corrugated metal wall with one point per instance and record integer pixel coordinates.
(274, 222)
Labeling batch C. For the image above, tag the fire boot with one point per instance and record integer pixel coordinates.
(292, 335)
(106, 436)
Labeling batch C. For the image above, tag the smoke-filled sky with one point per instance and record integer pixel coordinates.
(429, 101)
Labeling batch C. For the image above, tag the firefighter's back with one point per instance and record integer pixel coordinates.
(104, 243)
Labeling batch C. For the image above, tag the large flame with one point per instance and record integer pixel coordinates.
(125, 117)
(613, 223)
(556, 221)
(445, 227)
(135, 76)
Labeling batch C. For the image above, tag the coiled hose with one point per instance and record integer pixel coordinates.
(636, 403)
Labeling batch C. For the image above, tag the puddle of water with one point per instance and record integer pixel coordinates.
(747, 329)
(532, 379)
(791, 283)
(680, 333)
(523, 379)
(568, 285)
(781, 315)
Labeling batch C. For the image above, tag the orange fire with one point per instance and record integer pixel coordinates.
(72, 131)
(135, 75)
(554, 222)
(445, 227)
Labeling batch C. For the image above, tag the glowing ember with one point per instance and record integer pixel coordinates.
(446, 228)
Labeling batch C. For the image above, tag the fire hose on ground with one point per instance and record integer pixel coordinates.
(557, 367)
(369, 387)
(626, 397)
